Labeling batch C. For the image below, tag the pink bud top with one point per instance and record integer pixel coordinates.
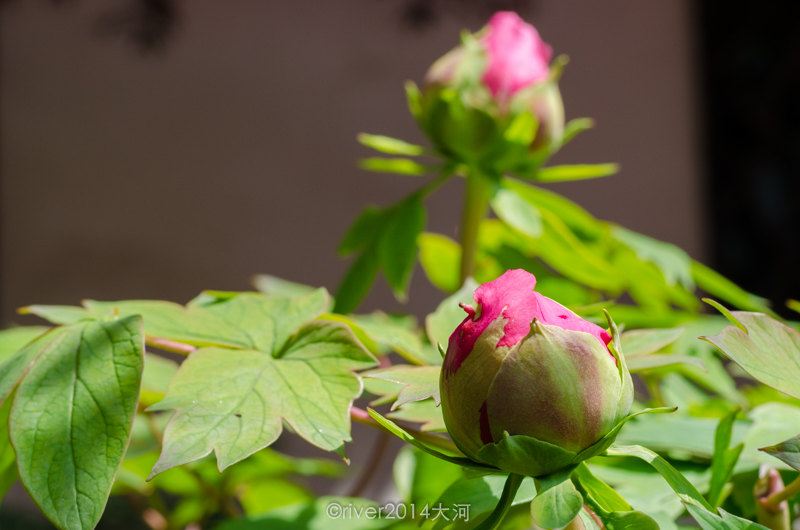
(512, 296)
(517, 55)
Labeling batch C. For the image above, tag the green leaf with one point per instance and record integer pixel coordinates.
(440, 257)
(640, 363)
(709, 520)
(575, 127)
(517, 212)
(674, 478)
(426, 413)
(788, 452)
(568, 173)
(557, 506)
(768, 350)
(718, 286)
(233, 402)
(630, 521)
(274, 286)
(513, 482)
(648, 341)
(57, 314)
(158, 372)
(400, 166)
(482, 494)
(398, 245)
(14, 368)
(673, 262)
(167, 320)
(396, 335)
(72, 417)
(724, 460)
(417, 382)
(422, 478)
(448, 315)
(14, 339)
(598, 492)
(8, 472)
(389, 145)
(387, 240)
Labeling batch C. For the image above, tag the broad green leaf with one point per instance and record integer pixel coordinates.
(233, 402)
(710, 520)
(448, 315)
(787, 451)
(363, 230)
(264, 496)
(679, 484)
(630, 520)
(557, 506)
(274, 286)
(12, 340)
(389, 145)
(266, 322)
(509, 493)
(482, 493)
(440, 256)
(57, 314)
(770, 422)
(569, 173)
(357, 282)
(400, 166)
(416, 382)
(648, 341)
(768, 350)
(718, 286)
(422, 478)
(517, 212)
(167, 320)
(724, 460)
(673, 262)
(72, 417)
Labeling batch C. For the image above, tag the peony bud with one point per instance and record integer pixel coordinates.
(522, 364)
(474, 93)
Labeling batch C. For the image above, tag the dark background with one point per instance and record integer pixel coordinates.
(152, 149)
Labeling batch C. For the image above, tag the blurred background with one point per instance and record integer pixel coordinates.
(155, 148)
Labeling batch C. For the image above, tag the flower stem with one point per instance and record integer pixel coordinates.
(476, 204)
(772, 510)
(776, 498)
(503, 505)
(360, 415)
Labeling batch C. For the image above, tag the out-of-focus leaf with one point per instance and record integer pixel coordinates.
(674, 263)
(416, 382)
(422, 478)
(517, 212)
(158, 372)
(395, 335)
(765, 348)
(441, 323)
(265, 496)
(787, 451)
(14, 339)
(572, 172)
(770, 422)
(400, 166)
(648, 341)
(640, 363)
(8, 471)
(57, 314)
(440, 256)
(389, 146)
(274, 286)
(710, 520)
(481, 494)
(724, 459)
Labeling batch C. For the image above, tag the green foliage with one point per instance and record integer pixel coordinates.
(555, 505)
(787, 451)
(72, 414)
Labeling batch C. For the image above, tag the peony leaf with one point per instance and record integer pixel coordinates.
(788, 452)
(440, 256)
(14, 339)
(765, 348)
(389, 146)
(710, 520)
(516, 212)
(399, 166)
(725, 458)
(72, 416)
(556, 506)
(233, 402)
(568, 173)
(648, 341)
(426, 413)
(417, 382)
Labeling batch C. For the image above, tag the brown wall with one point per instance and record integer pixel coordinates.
(233, 152)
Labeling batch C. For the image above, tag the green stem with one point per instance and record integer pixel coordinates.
(775, 499)
(503, 505)
(476, 205)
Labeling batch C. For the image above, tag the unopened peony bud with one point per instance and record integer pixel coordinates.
(523, 364)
